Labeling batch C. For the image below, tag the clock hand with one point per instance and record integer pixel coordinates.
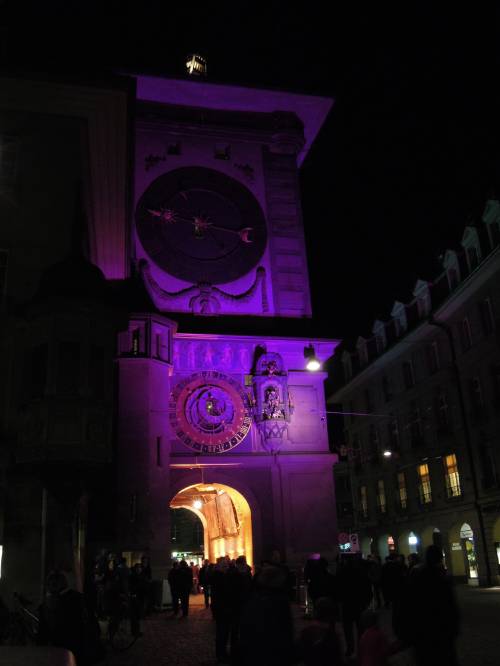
(200, 223)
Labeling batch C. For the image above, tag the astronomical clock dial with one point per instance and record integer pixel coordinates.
(209, 412)
(199, 225)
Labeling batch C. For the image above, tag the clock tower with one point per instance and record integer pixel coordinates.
(213, 415)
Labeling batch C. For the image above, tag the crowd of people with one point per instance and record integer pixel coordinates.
(252, 611)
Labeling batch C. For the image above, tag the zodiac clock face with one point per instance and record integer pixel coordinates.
(209, 412)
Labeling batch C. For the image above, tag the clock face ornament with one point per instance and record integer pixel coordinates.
(209, 412)
(200, 225)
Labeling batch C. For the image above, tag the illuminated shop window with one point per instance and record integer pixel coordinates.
(363, 495)
(381, 499)
(452, 476)
(424, 486)
(402, 492)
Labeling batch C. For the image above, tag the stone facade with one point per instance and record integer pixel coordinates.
(424, 388)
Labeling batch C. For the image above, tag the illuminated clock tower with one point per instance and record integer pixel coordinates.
(217, 412)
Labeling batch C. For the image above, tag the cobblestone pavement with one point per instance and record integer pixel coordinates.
(191, 641)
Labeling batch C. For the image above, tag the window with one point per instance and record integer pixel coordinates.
(347, 366)
(363, 500)
(452, 476)
(472, 257)
(465, 335)
(159, 462)
(374, 442)
(4, 256)
(402, 492)
(386, 388)
(452, 278)
(476, 394)
(393, 434)
(136, 341)
(222, 151)
(9, 146)
(442, 412)
(415, 425)
(356, 450)
(133, 508)
(487, 320)
(174, 148)
(68, 367)
(381, 500)
(424, 485)
(362, 350)
(488, 466)
(408, 374)
(495, 377)
(433, 357)
(368, 401)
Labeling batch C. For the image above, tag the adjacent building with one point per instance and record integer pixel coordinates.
(420, 403)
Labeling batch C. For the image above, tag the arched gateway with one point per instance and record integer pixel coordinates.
(226, 518)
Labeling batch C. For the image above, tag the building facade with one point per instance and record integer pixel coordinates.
(156, 312)
(420, 400)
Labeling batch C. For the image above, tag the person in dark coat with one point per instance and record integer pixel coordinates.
(204, 581)
(426, 615)
(266, 626)
(185, 580)
(174, 582)
(355, 591)
(62, 617)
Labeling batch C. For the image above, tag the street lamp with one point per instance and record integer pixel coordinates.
(312, 362)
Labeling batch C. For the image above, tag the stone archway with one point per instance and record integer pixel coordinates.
(225, 515)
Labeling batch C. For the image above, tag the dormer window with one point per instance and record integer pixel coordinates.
(362, 351)
(470, 243)
(398, 313)
(378, 331)
(423, 297)
(491, 218)
(450, 265)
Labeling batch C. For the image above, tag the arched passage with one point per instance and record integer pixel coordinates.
(226, 518)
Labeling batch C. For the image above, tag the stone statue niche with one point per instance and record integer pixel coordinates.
(272, 406)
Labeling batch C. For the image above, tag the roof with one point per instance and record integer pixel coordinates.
(312, 110)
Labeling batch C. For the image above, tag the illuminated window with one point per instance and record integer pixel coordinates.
(381, 499)
(424, 486)
(136, 341)
(415, 425)
(363, 498)
(402, 492)
(465, 334)
(452, 476)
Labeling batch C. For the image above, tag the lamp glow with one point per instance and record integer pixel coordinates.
(412, 540)
(197, 504)
(387, 453)
(312, 362)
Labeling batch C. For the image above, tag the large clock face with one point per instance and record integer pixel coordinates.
(209, 412)
(201, 226)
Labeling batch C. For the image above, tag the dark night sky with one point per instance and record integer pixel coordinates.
(410, 151)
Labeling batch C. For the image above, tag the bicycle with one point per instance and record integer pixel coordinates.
(119, 631)
(21, 624)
